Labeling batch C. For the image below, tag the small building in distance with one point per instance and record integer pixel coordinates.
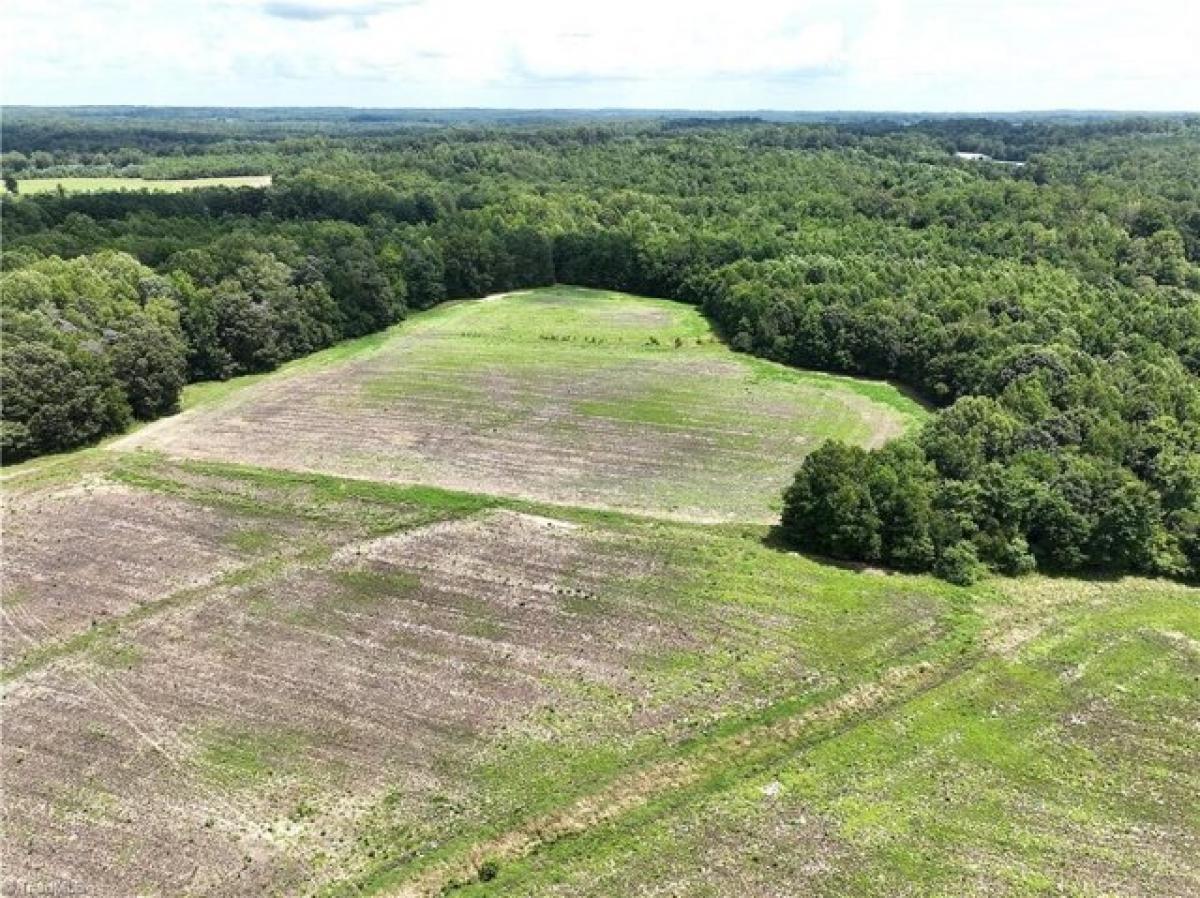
(984, 157)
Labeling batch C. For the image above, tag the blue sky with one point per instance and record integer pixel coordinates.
(700, 54)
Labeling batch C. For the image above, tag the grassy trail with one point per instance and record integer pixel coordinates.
(728, 757)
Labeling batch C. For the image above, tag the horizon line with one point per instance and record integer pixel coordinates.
(1088, 110)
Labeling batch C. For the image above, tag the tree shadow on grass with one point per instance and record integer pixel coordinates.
(777, 541)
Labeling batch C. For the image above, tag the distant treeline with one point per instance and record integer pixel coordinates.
(1051, 311)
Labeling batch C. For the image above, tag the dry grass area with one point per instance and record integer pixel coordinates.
(77, 556)
(85, 556)
(249, 730)
(560, 395)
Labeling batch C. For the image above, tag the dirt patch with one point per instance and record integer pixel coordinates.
(80, 556)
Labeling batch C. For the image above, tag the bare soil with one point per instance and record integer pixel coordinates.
(177, 757)
(79, 556)
(684, 432)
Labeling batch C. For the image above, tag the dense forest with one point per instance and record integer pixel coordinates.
(1048, 305)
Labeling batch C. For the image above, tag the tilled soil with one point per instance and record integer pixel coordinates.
(683, 432)
(177, 762)
(81, 556)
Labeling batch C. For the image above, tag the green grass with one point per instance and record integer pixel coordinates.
(244, 759)
(886, 393)
(116, 655)
(338, 502)
(370, 586)
(1044, 772)
(600, 320)
(251, 540)
(97, 185)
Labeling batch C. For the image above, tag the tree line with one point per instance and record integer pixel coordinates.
(1051, 312)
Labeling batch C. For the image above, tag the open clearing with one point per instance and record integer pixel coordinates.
(577, 397)
(341, 687)
(97, 185)
(223, 677)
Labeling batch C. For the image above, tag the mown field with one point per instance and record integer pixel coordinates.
(92, 185)
(572, 396)
(225, 677)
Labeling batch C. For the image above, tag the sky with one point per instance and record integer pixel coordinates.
(921, 55)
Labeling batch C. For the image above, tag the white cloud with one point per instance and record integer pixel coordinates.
(699, 54)
(306, 11)
(672, 40)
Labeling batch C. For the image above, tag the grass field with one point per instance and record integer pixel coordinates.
(227, 677)
(563, 395)
(96, 185)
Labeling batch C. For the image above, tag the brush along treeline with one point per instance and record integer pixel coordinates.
(1052, 310)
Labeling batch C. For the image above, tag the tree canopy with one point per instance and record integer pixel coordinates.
(1049, 310)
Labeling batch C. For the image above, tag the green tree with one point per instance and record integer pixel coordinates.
(828, 509)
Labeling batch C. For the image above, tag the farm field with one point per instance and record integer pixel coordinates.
(563, 395)
(95, 185)
(341, 687)
(490, 604)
